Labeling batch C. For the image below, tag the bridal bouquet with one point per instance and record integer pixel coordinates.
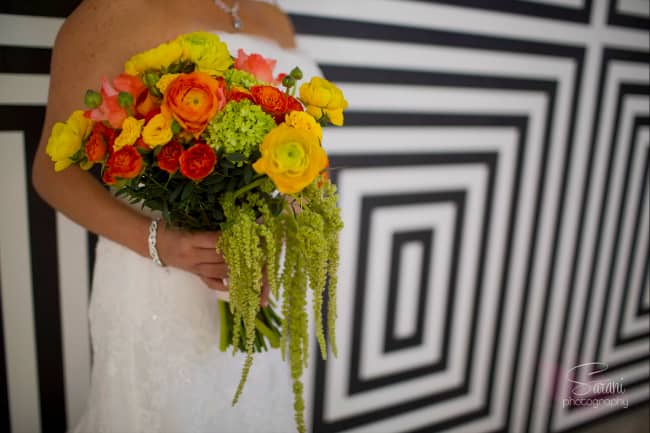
(216, 142)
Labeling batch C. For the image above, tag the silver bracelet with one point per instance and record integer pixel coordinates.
(153, 251)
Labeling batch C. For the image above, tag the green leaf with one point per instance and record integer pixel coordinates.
(276, 206)
(248, 174)
(176, 192)
(165, 210)
(226, 164)
(154, 204)
(236, 157)
(217, 214)
(232, 184)
(187, 190)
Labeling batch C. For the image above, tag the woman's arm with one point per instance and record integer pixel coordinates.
(82, 54)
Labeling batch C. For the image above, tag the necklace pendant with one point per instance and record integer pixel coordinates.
(236, 23)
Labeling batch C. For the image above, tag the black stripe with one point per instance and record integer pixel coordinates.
(615, 18)
(367, 75)
(537, 10)
(24, 60)
(314, 25)
(643, 310)
(59, 8)
(425, 238)
(5, 419)
(45, 274)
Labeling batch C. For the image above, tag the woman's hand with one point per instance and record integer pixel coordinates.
(195, 252)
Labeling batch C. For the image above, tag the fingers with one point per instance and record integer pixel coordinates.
(205, 239)
(212, 270)
(215, 284)
(205, 255)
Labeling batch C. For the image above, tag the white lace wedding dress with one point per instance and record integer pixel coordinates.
(155, 334)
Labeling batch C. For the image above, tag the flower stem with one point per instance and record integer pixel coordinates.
(257, 182)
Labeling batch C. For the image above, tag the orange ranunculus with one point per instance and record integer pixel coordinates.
(193, 99)
(293, 104)
(272, 100)
(97, 144)
(168, 156)
(145, 104)
(198, 161)
(126, 163)
(237, 94)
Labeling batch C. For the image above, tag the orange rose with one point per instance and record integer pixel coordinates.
(168, 156)
(198, 161)
(126, 163)
(272, 100)
(193, 99)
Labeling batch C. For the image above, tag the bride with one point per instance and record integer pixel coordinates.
(155, 329)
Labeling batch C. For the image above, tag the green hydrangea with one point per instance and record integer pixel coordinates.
(236, 78)
(239, 128)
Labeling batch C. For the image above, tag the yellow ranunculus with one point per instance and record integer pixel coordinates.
(206, 51)
(302, 120)
(157, 131)
(156, 58)
(291, 157)
(131, 128)
(164, 82)
(66, 139)
(322, 97)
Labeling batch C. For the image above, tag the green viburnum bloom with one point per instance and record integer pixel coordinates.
(238, 78)
(239, 128)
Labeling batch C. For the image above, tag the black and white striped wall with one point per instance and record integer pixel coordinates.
(494, 179)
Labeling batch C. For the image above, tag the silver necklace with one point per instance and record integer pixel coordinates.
(233, 11)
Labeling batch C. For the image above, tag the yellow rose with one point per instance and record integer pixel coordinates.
(206, 51)
(131, 128)
(164, 82)
(302, 120)
(157, 131)
(323, 98)
(156, 58)
(66, 139)
(291, 157)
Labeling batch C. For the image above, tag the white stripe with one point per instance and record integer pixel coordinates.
(17, 302)
(73, 283)
(634, 7)
(408, 288)
(24, 89)
(28, 31)
(418, 57)
(427, 99)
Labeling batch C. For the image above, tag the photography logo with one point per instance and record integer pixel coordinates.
(595, 390)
